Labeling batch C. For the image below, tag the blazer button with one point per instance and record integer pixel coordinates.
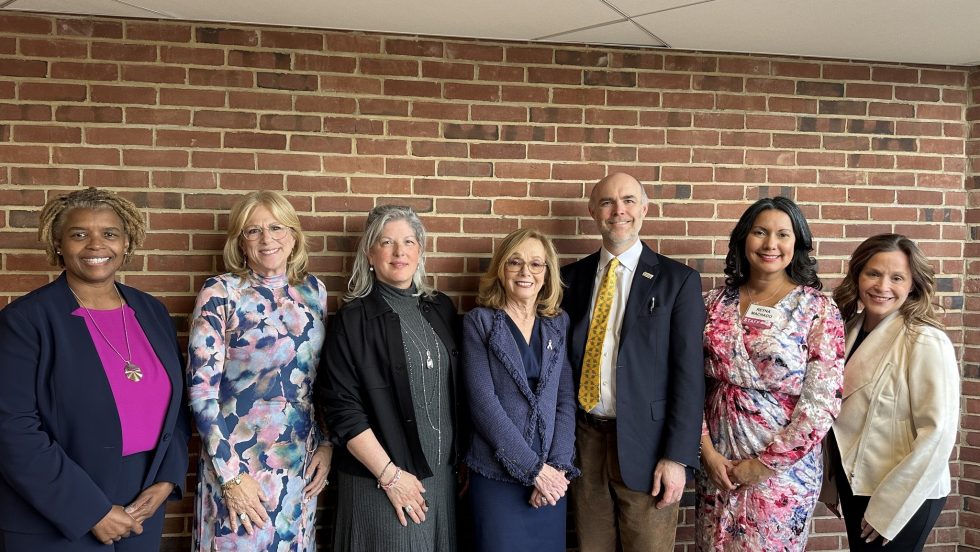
(425, 308)
(166, 436)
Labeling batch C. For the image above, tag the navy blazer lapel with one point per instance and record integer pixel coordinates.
(156, 333)
(585, 276)
(641, 290)
(503, 346)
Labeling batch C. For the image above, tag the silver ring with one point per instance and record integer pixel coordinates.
(409, 509)
(243, 516)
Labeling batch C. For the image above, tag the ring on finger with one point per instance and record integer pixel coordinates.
(408, 509)
(243, 516)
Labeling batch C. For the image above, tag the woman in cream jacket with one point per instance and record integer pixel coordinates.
(890, 446)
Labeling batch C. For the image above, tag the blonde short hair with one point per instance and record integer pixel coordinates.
(284, 212)
(492, 293)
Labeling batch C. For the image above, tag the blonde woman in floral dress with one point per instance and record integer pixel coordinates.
(774, 354)
(255, 341)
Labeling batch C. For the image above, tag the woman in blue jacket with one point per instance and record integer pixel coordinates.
(521, 399)
(93, 432)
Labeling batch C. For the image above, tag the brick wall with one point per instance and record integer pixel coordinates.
(483, 137)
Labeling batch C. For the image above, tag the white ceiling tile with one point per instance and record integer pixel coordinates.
(502, 19)
(81, 7)
(907, 31)
(623, 33)
(642, 7)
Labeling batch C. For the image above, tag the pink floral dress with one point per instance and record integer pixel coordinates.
(772, 395)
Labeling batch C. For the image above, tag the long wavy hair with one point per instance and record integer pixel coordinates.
(918, 308)
(282, 211)
(362, 277)
(802, 269)
(492, 293)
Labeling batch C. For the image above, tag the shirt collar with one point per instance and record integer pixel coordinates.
(628, 259)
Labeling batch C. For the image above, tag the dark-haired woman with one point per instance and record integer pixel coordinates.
(774, 353)
(890, 447)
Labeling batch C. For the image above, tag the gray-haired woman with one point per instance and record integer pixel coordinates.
(389, 394)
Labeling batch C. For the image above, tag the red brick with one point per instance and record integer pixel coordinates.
(47, 134)
(186, 138)
(524, 94)
(84, 156)
(474, 52)
(894, 74)
(50, 91)
(444, 70)
(139, 115)
(286, 81)
(192, 97)
(348, 164)
(770, 86)
(23, 68)
(105, 93)
(498, 73)
(250, 181)
(395, 87)
(115, 178)
(464, 91)
(375, 106)
(287, 162)
(687, 100)
(322, 144)
(180, 55)
(120, 51)
(291, 40)
(682, 62)
(53, 48)
(369, 146)
(154, 73)
(25, 112)
(25, 24)
(155, 158)
(43, 176)
(394, 67)
(89, 28)
(24, 155)
(224, 119)
(303, 62)
(222, 160)
(255, 140)
(184, 179)
(278, 101)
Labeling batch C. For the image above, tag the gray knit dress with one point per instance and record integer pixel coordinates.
(366, 520)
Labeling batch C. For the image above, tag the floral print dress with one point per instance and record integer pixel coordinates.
(253, 353)
(772, 394)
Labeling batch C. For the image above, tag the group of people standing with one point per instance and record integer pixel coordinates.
(604, 385)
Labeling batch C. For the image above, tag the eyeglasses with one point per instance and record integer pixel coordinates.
(517, 265)
(276, 232)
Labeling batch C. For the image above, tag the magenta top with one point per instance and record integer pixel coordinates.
(142, 405)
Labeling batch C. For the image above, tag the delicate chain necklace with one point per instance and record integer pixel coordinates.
(132, 371)
(752, 300)
(425, 359)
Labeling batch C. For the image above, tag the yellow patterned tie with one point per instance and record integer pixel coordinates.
(588, 389)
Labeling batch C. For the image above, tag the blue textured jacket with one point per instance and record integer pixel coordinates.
(505, 411)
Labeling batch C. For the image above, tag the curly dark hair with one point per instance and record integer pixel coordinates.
(802, 269)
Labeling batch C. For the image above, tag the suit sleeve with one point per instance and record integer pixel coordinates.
(562, 451)
(933, 387)
(35, 466)
(820, 395)
(686, 368)
(489, 419)
(338, 387)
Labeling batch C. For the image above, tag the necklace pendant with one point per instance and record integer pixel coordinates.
(133, 372)
(428, 359)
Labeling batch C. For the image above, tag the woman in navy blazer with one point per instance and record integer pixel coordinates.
(82, 467)
(521, 399)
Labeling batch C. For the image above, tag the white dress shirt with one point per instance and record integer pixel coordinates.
(610, 344)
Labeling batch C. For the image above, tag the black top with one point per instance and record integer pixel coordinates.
(363, 381)
(530, 352)
(862, 333)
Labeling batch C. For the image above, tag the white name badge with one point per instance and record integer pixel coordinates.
(759, 317)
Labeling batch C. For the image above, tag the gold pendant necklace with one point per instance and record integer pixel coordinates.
(132, 371)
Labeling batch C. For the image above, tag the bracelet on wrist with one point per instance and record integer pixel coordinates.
(382, 474)
(234, 482)
(394, 480)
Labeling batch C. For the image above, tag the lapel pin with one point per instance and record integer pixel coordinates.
(647, 275)
(550, 346)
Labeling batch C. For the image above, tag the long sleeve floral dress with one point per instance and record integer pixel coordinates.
(772, 395)
(253, 354)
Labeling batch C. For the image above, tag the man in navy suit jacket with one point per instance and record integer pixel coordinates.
(637, 446)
